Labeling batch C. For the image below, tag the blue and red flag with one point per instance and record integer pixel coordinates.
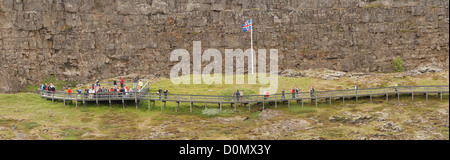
(247, 26)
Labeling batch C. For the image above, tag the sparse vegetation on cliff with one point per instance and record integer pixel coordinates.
(374, 5)
(398, 64)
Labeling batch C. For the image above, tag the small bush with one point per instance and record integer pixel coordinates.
(374, 5)
(398, 64)
(67, 28)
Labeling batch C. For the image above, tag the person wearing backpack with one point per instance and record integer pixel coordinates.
(160, 93)
(165, 93)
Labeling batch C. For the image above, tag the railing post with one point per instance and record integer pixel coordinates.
(289, 103)
(330, 100)
(264, 99)
(302, 101)
(249, 106)
(191, 103)
(275, 101)
(135, 98)
(387, 95)
(109, 99)
(84, 102)
(315, 99)
(76, 102)
(96, 97)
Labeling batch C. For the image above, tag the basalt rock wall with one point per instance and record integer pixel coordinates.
(83, 40)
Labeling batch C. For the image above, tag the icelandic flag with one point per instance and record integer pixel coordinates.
(247, 26)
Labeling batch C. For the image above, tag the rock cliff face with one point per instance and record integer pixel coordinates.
(93, 39)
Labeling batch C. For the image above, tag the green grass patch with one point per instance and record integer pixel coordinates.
(28, 125)
(332, 133)
(73, 133)
(302, 110)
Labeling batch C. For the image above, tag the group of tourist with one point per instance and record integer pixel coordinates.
(296, 92)
(49, 88)
(102, 92)
(238, 95)
(160, 92)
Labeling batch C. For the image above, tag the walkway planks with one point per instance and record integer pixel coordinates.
(136, 97)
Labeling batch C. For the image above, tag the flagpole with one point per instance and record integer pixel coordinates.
(251, 35)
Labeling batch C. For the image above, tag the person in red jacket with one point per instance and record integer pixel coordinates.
(121, 83)
(69, 93)
(293, 93)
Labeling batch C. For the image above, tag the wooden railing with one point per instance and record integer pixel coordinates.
(246, 99)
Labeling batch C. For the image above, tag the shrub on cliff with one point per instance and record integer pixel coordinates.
(398, 64)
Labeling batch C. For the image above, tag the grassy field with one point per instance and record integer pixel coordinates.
(28, 116)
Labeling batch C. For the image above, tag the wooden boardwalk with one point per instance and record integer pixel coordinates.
(329, 96)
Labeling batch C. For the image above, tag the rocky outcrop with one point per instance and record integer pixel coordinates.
(84, 40)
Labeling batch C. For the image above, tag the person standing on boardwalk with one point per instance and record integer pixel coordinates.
(69, 92)
(396, 89)
(282, 94)
(237, 95)
(266, 95)
(140, 84)
(311, 91)
(122, 91)
(53, 89)
(297, 91)
(135, 81)
(160, 92)
(234, 95)
(115, 83)
(293, 93)
(121, 83)
(356, 90)
(165, 93)
(242, 94)
(79, 92)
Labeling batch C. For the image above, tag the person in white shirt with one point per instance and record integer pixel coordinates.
(140, 84)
